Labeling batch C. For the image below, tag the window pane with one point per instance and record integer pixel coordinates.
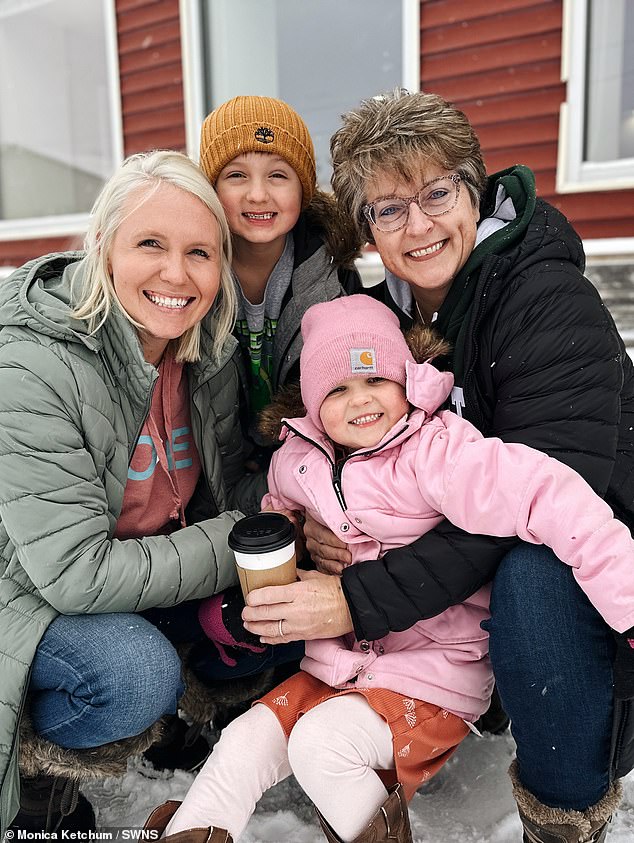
(56, 135)
(609, 122)
(322, 58)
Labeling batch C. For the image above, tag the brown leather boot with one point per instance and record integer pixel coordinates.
(160, 817)
(391, 822)
(543, 824)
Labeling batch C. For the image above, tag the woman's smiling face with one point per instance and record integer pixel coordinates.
(427, 252)
(165, 262)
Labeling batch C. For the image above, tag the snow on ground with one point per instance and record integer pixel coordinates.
(469, 801)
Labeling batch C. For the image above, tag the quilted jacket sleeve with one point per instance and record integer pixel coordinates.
(550, 376)
(55, 513)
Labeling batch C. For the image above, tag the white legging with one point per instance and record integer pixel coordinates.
(332, 751)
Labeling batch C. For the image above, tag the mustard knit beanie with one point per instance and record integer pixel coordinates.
(257, 124)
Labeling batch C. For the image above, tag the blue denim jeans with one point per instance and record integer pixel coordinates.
(100, 678)
(552, 657)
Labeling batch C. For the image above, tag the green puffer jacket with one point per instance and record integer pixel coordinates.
(72, 407)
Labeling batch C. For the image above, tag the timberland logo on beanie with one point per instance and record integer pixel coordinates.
(353, 336)
(258, 124)
(362, 360)
(264, 135)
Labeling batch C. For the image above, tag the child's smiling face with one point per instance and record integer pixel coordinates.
(359, 411)
(261, 195)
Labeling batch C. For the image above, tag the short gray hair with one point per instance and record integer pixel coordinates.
(398, 132)
(144, 173)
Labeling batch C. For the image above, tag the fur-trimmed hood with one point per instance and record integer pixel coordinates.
(424, 343)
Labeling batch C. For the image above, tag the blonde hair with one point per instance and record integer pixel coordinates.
(401, 132)
(143, 174)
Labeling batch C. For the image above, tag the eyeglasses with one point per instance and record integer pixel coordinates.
(437, 197)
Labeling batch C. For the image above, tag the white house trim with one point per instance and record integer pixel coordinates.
(61, 226)
(411, 44)
(612, 247)
(71, 224)
(193, 73)
(574, 175)
(194, 68)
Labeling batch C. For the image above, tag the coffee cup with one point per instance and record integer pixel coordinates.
(264, 547)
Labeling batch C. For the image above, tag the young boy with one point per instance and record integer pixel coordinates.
(290, 247)
(291, 250)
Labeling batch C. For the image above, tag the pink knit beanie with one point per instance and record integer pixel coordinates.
(349, 337)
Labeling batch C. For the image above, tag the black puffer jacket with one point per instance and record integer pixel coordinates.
(539, 361)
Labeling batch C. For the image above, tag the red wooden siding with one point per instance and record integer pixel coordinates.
(501, 63)
(151, 75)
(498, 61)
(17, 252)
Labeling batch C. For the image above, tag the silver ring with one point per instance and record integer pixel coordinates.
(279, 628)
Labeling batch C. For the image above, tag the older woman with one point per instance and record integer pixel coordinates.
(119, 395)
(536, 359)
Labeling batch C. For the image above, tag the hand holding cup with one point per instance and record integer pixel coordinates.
(264, 547)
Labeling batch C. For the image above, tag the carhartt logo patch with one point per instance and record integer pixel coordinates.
(264, 135)
(362, 360)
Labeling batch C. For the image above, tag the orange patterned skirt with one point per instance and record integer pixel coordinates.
(424, 736)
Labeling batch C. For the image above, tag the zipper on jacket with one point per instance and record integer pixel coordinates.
(471, 341)
(283, 356)
(337, 467)
(311, 442)
(336, 482)
(107, 367)
(207, 484)
(193, 406)
(148, 405)
(276, 385)
(621, 734)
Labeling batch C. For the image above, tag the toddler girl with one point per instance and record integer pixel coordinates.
(365, 723)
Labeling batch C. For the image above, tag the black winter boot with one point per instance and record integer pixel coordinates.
(494, 720)
(182, 747)
(53, 804)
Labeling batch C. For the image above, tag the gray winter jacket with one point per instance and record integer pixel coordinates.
(324, 252)
(72, 406)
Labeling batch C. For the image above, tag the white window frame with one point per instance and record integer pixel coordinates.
(65, 225)
(574, 175)
(193, 63)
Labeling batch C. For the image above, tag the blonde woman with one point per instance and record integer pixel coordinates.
(122, 465)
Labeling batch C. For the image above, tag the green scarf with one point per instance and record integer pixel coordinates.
(453, 316)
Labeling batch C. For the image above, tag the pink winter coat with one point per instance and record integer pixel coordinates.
(429, 466)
